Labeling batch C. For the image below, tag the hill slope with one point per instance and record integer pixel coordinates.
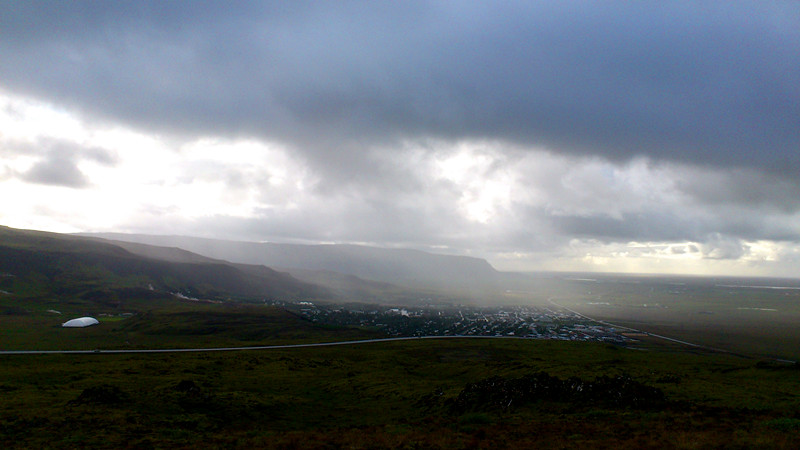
(37, 263)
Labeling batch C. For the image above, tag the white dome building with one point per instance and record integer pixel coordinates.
(80, 322)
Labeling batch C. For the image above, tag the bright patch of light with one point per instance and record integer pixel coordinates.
(764, 251)
(146, 176)
(24, 119)
(485, 190)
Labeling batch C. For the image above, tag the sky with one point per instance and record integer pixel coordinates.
(647, 137)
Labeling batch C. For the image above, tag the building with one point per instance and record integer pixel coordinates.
(80, 322)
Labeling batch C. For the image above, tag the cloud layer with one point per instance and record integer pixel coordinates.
(537, 129)
(713, 83)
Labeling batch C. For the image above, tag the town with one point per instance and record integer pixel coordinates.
(461, 320)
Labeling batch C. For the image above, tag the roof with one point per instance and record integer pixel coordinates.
(80, 322)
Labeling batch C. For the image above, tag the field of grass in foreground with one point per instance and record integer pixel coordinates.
(417, 394)
(165, 324)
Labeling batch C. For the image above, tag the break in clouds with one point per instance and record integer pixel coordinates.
(565, 135)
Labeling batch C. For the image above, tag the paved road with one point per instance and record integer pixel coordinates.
(678, 341)
(690, 344)
(363, 341)
(231, 349)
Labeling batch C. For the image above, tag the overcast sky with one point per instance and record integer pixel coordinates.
(608, 136)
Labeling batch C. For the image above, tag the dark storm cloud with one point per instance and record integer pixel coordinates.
(739, 188)
(711, 83)
(643, 227)
(677, 223)
(671, 124)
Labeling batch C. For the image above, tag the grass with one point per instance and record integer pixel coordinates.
(163, 324)
(387, 395)
(751, 321)
(379, 395)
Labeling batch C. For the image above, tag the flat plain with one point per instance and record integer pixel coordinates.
(454, 393)
(750, 316)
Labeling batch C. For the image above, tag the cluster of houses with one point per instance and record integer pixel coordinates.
(446, 320)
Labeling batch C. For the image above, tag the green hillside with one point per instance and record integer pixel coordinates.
(165, 323)
(478, 393)
(38, 265)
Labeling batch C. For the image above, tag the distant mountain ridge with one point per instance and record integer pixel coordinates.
(40, 263)
(411, 268)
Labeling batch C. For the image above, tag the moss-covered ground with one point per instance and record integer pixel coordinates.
(391, 395)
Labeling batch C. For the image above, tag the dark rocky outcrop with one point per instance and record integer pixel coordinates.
(104, 394)
(505, 393)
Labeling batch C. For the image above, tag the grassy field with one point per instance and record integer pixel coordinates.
(165, 324)
(454, 393)
(401, 394)
(444, 393)
(756, 321)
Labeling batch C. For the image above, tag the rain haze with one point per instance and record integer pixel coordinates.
(648, 137)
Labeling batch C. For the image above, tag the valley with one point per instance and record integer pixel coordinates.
(525, 365)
